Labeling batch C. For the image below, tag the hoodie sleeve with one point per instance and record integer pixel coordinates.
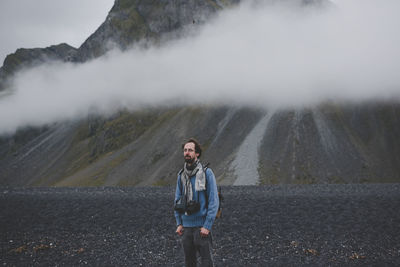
(178, 195)
(213, 200)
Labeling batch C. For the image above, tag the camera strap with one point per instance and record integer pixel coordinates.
(188, 183)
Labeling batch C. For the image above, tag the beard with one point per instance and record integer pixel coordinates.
(189, 160)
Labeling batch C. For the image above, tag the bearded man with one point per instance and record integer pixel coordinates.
(196, 205)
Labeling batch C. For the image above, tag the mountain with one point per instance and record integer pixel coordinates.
(128, 23)
(28, 58)
(330, 143)
(133, 21)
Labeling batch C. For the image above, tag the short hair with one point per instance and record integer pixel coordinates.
(197, 147)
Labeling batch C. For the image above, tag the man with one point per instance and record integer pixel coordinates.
(196, 185)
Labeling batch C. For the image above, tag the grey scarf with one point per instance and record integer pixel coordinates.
(200, 183)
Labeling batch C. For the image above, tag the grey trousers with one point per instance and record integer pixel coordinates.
(193, 243)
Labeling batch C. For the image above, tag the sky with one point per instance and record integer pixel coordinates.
(270, 56)
(41, 23)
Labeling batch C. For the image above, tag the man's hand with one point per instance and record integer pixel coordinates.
(179, 230)
(204, 232)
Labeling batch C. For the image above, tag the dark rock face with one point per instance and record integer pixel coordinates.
(31, 57)
(333, 145)
(132, 21)
(26, 58)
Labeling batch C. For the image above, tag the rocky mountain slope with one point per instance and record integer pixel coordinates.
(331, 143)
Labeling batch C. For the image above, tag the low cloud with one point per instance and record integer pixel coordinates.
(271, 56)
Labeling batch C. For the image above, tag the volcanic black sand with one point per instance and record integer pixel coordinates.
(318, 225)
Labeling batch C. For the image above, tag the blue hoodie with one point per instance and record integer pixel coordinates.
(205, 216)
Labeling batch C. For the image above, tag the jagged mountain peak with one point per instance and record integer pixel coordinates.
(132, 21)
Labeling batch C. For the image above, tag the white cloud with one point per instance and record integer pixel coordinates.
(271, 56)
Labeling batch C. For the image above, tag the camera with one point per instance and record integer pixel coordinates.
(180, 205)
(190, 207)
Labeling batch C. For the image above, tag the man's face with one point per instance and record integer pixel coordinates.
(189, 153)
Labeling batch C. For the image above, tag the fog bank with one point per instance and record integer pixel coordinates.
(271, 56)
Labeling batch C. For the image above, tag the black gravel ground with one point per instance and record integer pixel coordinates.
(318, 225)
